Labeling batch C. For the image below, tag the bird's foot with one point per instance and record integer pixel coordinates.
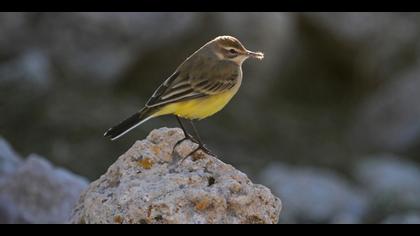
(201, 147)
(187, 137)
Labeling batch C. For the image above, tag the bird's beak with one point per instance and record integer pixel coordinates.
(257, 55)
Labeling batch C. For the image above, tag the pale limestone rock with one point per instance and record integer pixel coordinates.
(9, 159)
(38, 192)
(147, 184)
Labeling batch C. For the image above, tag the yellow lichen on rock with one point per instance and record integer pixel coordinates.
(203, 204)
(146, 163)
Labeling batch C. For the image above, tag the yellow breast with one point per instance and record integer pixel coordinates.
(199, 108)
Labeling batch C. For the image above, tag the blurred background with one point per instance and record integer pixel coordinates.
(329, 120)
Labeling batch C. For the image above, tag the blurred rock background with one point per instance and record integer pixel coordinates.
(330, 119)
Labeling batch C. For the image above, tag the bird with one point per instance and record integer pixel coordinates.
(200, 87)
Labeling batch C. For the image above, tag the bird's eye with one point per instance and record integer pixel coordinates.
(233, 51)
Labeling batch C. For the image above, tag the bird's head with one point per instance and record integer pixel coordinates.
(230, 48)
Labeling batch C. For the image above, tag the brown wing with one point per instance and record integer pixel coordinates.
(185, 86)
(175, 88)
(215, 86)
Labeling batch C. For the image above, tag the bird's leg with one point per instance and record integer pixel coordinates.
(186, 134)
(201, 145)
(197, 135)
(196, 140)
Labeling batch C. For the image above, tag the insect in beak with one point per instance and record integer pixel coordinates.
(257, 55)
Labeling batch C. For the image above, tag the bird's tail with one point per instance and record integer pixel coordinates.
(130, 123)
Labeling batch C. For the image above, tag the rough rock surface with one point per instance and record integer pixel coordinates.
(9, 159)
(37, 192)
(148, 185)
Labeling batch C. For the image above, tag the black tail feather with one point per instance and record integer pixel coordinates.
(128, 124)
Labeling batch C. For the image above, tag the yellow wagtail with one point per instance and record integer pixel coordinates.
(201, 86)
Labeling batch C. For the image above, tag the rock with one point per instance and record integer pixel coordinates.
(148, 185)
(392, 182)
(37, 192)
(9, 159)
(411, 218)
(314, 195)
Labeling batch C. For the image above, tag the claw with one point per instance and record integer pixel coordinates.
(196, 140)
(187, 137)
(203, 149)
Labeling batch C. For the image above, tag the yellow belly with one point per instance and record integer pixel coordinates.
(199, 108)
